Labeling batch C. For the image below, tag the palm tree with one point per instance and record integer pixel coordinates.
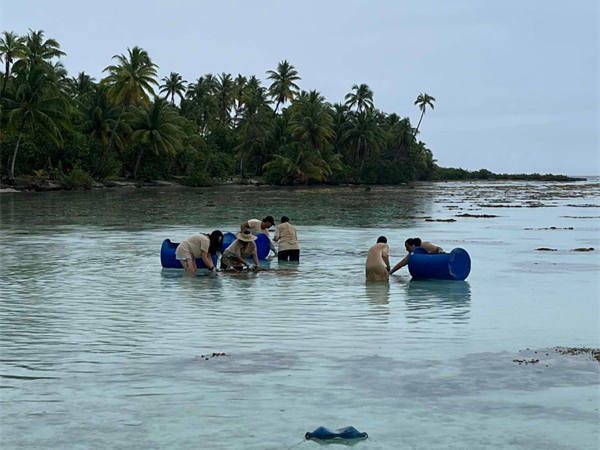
(239, 87)
(299, 165)
(130, 81)
(82, 85)
(36, 102)
(283, 87)
(159, 127)
(340, 125)
(253, 122)
(311, 121)
(362, 98)
(200, 105)
(224, 92)
(423, 100)
(39, 51)
(11, 48)
(365, 135)
(173, 85)
(100, 117)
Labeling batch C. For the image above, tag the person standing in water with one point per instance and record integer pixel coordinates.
(378, 261)
(256, 226)
(199, 246)
(243, 247)
(287, 237)
(410, 245)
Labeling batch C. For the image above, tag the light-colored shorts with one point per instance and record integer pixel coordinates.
(182, 252)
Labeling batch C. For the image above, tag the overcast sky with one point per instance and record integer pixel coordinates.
(516, 82)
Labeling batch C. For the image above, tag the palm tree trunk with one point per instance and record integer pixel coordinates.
(6, 75)
(11, 173)
(207, 160)
(242, 154)
(100, 165)
(137, 163)
(276, 108)
(419, 124)
(173, 98)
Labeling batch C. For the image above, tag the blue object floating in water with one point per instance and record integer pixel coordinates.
(346, 433)
(169, 261)
(455, 265)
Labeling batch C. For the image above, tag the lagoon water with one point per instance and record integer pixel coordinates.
(101, 348)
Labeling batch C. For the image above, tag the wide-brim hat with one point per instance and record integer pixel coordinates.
(246, 236)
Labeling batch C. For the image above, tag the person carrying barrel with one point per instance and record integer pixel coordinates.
(256, 226)
(202, 246)
(287, 237)
(243, 247)
(410, 245)
(378, 261)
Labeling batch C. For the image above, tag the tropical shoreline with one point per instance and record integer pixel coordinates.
(30, 184)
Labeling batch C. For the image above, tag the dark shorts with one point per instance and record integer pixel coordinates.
(289, 255)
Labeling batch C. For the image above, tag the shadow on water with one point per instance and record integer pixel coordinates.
(438, 299)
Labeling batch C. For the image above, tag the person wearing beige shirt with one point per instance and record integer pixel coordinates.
(198, 246)
(410, 245)
(378, 261)
(256, 226)
(287, 237)
(242, 248)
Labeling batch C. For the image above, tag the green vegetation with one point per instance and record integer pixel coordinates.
(77, 130)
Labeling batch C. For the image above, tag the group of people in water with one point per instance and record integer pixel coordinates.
(236, 255)
(378, 268)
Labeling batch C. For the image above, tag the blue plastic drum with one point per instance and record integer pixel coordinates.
(455, 265)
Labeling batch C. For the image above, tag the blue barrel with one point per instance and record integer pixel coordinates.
(169, 261)
(455, 265)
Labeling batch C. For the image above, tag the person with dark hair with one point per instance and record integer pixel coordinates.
(199, 246)
(287, 237)
(243, 247)
(256, 226)
(378, 261)
(410, 245)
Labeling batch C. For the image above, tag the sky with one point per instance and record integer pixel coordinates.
(516, 82)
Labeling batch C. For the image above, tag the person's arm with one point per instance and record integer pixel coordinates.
(243, 261)
(207, 261)
(255, 259)
(400, 265)
(386, 260)
(276, 237)
(272, 246)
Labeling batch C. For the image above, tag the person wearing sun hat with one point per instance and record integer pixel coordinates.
(243, 247)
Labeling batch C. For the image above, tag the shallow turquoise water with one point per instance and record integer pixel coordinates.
(100, 347)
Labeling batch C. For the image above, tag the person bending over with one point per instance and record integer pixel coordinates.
(410, 245)
(256, 226)
(199, 246)
(378, 261)
(287, 237)
(243, 247)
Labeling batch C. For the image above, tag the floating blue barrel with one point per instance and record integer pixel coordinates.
(455, 265)
(169, 261)
(326, 434)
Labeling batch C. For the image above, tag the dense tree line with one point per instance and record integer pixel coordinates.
(130, 124)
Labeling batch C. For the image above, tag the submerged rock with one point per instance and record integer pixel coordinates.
(583, 249)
